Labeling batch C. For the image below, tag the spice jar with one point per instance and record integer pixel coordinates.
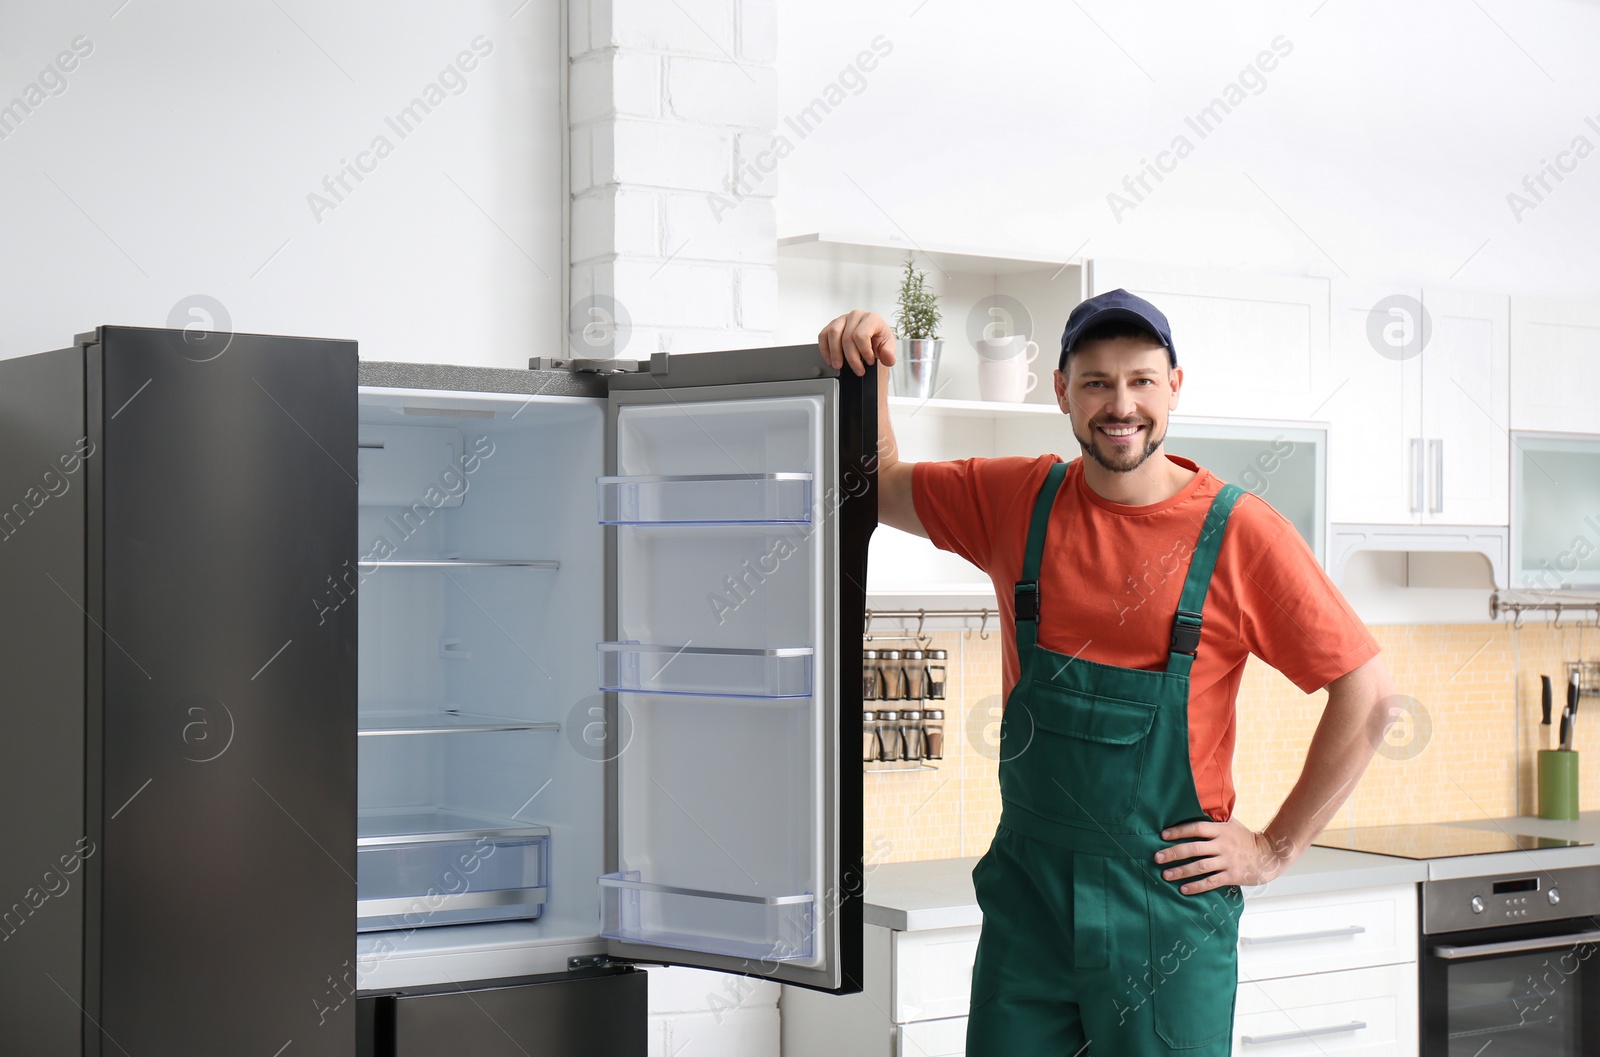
(911, 735)
(869, 737)
(894, 676)
(933, 734)
(888, 725)
(934, 676)
(914, 675)
(871, 677)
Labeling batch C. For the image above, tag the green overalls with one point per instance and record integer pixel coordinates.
(1086, 950)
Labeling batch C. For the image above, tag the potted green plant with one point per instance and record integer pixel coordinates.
(917, 341)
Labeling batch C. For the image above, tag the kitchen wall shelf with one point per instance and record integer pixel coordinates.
(706, 499)
(461, 563)
(697, 671)
(841, 248)
(448, 721)
(767, 928)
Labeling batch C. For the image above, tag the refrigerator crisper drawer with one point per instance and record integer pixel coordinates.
(706, 499)
(635, 668)
(763, 928)
(406, 881)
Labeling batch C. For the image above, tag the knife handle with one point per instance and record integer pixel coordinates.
(1545, 697)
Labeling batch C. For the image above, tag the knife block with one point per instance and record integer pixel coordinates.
(1558, 784)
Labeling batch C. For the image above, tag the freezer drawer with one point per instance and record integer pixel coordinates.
(603, 1014)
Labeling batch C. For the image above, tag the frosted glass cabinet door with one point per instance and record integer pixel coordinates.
(732, 661)
(1555, 511)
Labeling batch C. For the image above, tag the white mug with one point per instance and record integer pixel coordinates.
(1008, 381)
(1015, 346)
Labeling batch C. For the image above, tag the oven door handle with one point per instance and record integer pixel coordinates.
(1484, 950)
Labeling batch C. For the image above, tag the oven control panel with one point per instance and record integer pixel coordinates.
(1510, 899)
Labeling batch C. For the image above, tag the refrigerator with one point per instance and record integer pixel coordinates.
(400, 709)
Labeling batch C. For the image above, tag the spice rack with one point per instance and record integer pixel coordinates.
(902, 720)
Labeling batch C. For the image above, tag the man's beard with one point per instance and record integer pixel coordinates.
(1112, 459)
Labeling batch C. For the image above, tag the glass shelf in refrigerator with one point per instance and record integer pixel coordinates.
(767, 928)
(706, 499)
(429, 867)
(446, 721)
(705, 671)
(461, 563)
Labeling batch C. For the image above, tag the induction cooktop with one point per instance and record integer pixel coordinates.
(1436, 841)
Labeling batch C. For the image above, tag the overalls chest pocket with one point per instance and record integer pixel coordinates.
(1080, 756)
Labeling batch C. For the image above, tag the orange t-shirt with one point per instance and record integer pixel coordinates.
(1110, 579)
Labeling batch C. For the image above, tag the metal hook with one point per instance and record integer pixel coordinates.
(1516, 624)
(867, 634)
(922, 615)
(1557, 626)
(983, 626)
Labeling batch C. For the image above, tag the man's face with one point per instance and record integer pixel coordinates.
(1119, 393)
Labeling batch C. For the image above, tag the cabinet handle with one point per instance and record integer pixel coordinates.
(1436, 449)
(1320, 934)
(1416, 475)
(1285, 1036)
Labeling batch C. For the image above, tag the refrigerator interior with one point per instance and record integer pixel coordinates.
(475, 804)
(719, 576)
(483, 762)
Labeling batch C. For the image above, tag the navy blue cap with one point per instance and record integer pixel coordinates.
(1114, 305)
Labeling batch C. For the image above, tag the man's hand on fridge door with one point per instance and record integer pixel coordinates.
(859, 339)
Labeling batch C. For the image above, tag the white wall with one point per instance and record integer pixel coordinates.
(1383, 145)
(179, 157)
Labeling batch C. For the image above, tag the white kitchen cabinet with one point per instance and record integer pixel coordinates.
(1420, 407)
(913, 1002)
(1556, 357)
(1555, 518)
(1250, 345)
(1295, 935)
(1372, 1012)
(1331, 972)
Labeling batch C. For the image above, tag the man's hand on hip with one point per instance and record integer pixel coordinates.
(1230, 852)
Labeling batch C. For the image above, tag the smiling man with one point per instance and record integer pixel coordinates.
(1133, 586)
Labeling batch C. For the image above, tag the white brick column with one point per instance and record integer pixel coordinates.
(670, 103)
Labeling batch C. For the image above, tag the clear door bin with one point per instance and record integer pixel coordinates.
(630, 667)
(763, 928)
(706, 499)
(440, 879)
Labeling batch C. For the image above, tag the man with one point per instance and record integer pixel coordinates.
(1133, 585)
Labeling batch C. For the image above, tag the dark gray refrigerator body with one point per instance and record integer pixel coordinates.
(601, 677)
(178, 723)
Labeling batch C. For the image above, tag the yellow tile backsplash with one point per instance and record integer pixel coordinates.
(1464, 750)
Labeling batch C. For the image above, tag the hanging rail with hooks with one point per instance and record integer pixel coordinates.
(921, 616)
(1574, 607)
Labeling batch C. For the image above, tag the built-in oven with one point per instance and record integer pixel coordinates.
(1510, 965)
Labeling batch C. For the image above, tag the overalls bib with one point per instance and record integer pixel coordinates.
(1086, 950)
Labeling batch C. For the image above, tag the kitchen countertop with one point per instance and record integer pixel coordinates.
(937, 893)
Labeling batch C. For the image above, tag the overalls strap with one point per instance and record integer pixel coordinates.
(1025, 596)
(1186, 624)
